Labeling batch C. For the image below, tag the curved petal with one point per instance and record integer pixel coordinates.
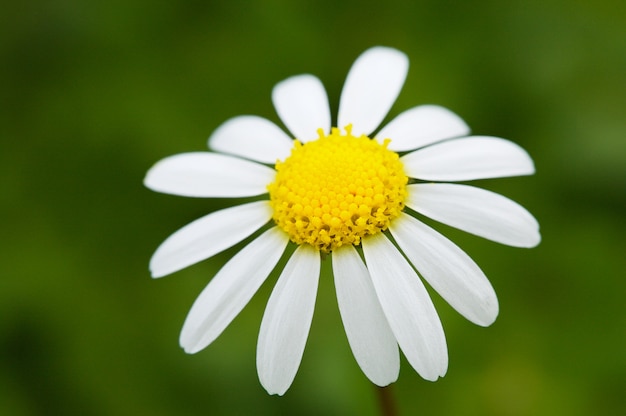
(451, 272)
(370, 337)
(477, 211)
(287, 320)
(207, 236)
(231, 289)
(469, 158)
(302, 104)
(421, 126)
(252, 137)
(409, 309)
(204, 174)
(371, 88)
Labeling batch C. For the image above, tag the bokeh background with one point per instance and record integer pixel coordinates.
(93, 93)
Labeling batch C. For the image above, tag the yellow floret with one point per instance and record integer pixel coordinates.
(337, 189)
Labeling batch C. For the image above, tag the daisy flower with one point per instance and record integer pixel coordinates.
(353, 194)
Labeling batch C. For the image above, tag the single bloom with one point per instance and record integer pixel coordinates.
(352, 193)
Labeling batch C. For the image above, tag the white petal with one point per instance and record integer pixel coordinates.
(371, 88)
(369, 335)
(409, 309)
(231, 289)
(302, 104)
(451, 272)
(287, 320)
(204, 174)
(421, 126)
(252, 137)
(469, 158)
(476, 211)
(207, 236)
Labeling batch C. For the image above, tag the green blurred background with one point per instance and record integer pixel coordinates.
(93, 93)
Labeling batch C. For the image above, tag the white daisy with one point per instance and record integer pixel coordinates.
(338, 192)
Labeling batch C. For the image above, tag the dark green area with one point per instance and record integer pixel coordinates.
(93, 93)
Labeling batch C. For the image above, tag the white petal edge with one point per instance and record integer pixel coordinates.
(208, 236)
(251, 137)
(451, 272)
(372, 86)
(421, 126)
(469, 158)
(287, 320)
(231, 289)
(369, 335)
(477, 211)
(302, 104)
(204, 175)
(408, 308)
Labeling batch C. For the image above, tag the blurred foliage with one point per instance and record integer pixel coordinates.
(93, 93)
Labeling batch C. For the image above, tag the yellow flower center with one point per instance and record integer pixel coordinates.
(337, 190)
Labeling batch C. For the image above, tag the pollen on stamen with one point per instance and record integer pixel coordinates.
(337, 190)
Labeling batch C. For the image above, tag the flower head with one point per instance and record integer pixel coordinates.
(344, 192)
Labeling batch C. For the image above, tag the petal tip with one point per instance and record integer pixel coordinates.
(387, 50)
(487, 320)
(186, 342)
(149, 180)
(157, 267)
(384, 382)
(488, 310)
(189, 350)
(534, 241)
(531, 239)
(157, 275)
(274, 392)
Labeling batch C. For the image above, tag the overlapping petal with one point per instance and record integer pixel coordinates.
(302, 104)
(469, 158)
(287, 320)
(207, 236)
(231, 289)
(252, 137)
(421, 126)
(372, 342)
(204, 174)
(408, 307)
(476, 211)
(451, 272)
(371, 88)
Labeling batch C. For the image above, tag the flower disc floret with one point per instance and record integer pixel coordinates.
(338, 189)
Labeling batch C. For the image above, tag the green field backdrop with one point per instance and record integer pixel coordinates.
(92, 93)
